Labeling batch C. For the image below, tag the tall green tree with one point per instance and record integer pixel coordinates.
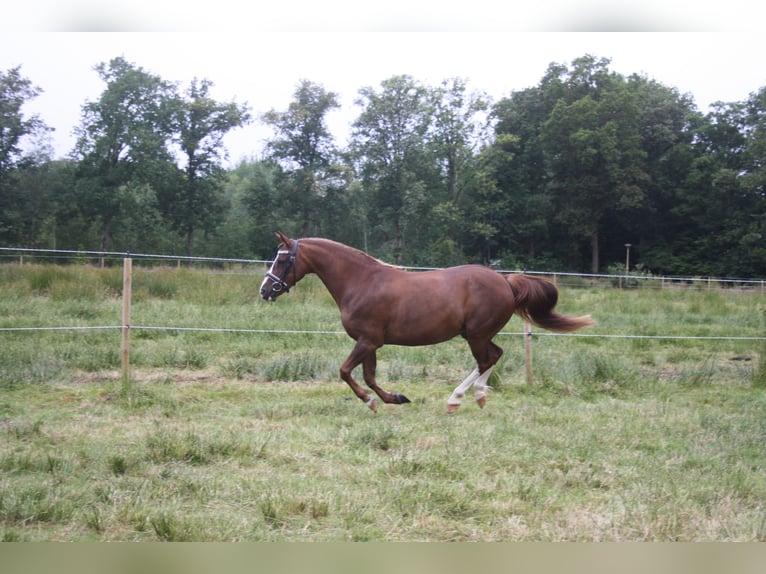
(668, 122)
(122, 142)
(516, 161)
(388, 144)
(197, 200)
(305, 148)
(594, 152)
(35, 211)
(15, 129)
(255, 186)
(752, 242)
(487, 205)
(460, 127)
(723, 207)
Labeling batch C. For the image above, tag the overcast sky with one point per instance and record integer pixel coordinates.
(259, 58)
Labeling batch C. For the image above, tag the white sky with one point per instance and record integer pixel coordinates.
(258, 54)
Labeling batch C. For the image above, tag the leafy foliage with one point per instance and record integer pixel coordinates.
(305, 148)
(15, 128)
(560, 175)
(196, 199)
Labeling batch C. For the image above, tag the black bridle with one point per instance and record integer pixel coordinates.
(278, 283)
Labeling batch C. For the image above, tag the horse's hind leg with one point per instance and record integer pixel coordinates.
(480, 386)
(486, 356)
(368, 366)
(476, 380)
(453, 402)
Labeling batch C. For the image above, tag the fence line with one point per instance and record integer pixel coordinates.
(73, 328)
(324, 332)
(756, 282)
(123, 254)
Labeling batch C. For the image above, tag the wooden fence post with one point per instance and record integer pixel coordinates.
(528, 350)
(127, 288)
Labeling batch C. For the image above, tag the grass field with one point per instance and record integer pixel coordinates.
(252, 436)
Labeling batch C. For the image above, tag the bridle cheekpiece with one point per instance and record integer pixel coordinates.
(278, 283)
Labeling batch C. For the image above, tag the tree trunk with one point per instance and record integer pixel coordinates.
(106, 233)
(452, 175)
(398, 243)
(190, 240)
(594, 262)
(106, 238)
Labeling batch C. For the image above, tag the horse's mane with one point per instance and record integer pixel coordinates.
(357, 252)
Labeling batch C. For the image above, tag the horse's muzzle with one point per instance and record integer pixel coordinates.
(271, 292)
(272, 287)
(268, 294)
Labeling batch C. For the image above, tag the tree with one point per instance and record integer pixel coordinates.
(252, 187)
(459, 128)
(486, 205)
(305, 147)
(122, 142)
(752, 242)
(34, 212)
(15, 128)
(516, 161)
(594, 152)
(723, 206)
(196, 202)
(388, 145)
(668, 123)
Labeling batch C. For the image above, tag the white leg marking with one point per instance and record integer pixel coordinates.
(462, 388)
(480, 387)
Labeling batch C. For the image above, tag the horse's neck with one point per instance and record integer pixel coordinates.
(339, 267)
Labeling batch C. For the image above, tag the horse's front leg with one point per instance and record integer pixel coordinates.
(368, 367)
(358, 354)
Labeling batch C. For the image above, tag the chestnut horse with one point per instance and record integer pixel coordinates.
(383, 305)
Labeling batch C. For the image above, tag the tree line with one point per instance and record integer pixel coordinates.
(558, 176)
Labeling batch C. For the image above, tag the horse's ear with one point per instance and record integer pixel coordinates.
(284, 238)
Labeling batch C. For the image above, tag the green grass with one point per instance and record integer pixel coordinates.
(252, 436)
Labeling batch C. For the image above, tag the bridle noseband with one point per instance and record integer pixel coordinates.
(278, 283)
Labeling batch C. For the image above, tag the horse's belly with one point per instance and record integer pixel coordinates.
(414, 339)
(424, 327)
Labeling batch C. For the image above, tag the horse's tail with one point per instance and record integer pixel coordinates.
(535, 299)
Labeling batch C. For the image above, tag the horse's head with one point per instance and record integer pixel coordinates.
(283, 274)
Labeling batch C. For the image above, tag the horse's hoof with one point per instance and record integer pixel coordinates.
(481, 401)
(400, 399)
(373, 404)
(452, 409)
